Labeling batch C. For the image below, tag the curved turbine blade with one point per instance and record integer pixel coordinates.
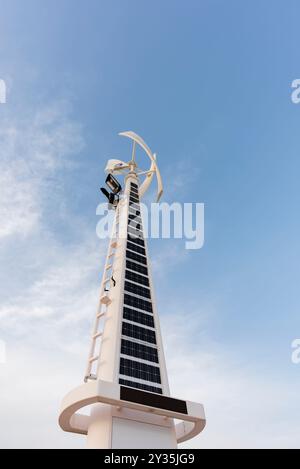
(147, 181)
(136, 138)
(160, 188)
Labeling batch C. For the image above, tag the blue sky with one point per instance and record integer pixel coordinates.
(207, 84)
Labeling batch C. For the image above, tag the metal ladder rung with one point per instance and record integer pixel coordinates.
(95, 336)
(93, 359)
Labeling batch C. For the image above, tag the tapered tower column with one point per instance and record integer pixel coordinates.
(126, 377)
(131, 351)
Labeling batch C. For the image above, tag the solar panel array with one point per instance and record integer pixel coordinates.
(139, 359)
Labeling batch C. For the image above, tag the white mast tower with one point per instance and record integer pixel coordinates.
(126, 381)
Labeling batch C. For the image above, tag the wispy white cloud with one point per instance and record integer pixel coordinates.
(32, 150)
(46, 328)
(61, 293)
(33, 382)
(50, 299)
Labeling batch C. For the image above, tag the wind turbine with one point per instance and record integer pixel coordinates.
(118, 167)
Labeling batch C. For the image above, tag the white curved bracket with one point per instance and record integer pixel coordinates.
(192, 422)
